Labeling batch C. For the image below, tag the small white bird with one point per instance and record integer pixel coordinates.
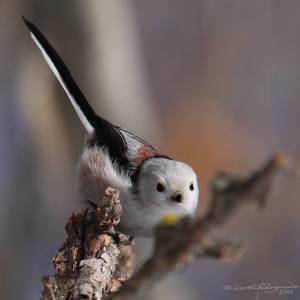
(151, 184)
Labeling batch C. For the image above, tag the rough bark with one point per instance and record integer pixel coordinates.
(87, 264)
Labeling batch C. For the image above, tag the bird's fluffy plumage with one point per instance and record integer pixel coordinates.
(117, 158)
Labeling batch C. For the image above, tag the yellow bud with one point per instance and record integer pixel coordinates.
(170, 220)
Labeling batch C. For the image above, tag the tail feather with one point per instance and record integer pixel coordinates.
(104, 133)
(78, 100)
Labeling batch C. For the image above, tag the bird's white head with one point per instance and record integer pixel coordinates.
(169, 185)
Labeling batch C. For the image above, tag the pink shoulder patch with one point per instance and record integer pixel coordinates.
(142, 153)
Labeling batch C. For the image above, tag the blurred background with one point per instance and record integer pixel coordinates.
(214, 83)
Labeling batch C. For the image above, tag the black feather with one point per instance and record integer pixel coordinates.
(106, 134)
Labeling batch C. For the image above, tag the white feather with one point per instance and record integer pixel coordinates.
(79, 112)
(96, 172)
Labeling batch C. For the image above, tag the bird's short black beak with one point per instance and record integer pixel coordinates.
(177, 197)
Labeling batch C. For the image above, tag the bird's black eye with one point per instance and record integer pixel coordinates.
(191, 187)
(160, 187)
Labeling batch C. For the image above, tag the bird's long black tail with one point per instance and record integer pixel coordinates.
(79, 102)
(105, 133)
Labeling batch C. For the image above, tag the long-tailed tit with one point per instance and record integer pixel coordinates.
(151, 184)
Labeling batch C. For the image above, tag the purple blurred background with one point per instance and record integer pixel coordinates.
(213, 83)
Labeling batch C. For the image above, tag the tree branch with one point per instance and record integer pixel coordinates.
(87, 265)
(96, 261)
